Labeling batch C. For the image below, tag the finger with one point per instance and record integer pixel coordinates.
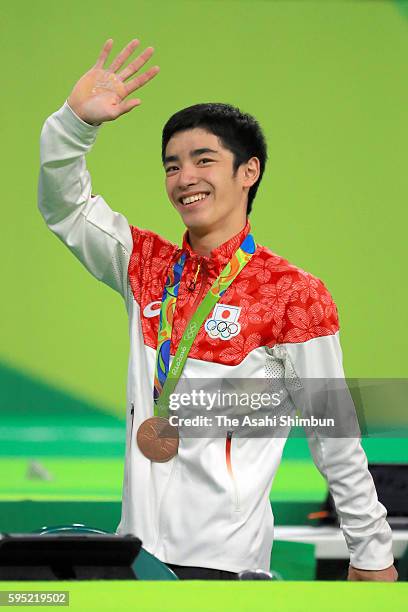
(123, 55)
(141, 80)
(128, 105)
(104, 53)
(136, 64)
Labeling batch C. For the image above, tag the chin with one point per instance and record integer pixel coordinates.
(196, 220)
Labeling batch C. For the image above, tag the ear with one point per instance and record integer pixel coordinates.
(251, 170)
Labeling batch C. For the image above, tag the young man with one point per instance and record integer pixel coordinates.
(230, 309)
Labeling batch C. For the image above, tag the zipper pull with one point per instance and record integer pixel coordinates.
(192, 284)
(228, 450)
(228, 453)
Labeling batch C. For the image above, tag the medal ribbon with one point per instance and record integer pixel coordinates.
(165, 378)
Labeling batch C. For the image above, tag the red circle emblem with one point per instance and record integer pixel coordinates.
(225, 314)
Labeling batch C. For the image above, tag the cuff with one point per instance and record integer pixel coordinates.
(372, 552)
(74, 125)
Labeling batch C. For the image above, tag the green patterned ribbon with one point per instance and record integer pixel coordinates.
(167, 378)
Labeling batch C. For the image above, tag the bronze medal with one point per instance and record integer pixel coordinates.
(157, 439)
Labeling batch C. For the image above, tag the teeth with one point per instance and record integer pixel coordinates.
(194, 198)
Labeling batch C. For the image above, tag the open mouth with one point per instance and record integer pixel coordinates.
(190, 201)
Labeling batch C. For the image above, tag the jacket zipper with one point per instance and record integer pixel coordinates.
(201, 266)
(228, 444)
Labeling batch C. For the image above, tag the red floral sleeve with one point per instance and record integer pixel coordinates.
(310, 312)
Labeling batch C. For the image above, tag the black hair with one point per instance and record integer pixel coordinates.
(238, 132)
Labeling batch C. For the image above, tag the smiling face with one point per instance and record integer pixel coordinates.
(197, 163)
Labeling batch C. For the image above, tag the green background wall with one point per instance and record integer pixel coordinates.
(328, 83)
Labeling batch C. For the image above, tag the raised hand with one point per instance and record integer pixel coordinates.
(100, 93)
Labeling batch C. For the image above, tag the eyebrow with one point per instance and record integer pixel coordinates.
(194, 153)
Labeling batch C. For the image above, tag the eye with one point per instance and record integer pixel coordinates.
(203, 159)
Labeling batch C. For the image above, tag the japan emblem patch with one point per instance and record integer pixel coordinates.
(223, 322)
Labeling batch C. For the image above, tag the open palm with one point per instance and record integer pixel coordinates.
(100, 94)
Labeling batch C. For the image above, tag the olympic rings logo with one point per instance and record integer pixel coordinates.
(223, 322)
(221, 329)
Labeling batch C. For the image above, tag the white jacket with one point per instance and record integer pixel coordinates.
(191, 510)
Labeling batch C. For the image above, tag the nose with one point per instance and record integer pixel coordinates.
(187, 176)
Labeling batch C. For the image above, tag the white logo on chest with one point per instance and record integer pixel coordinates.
(223, 323)
(152, 309)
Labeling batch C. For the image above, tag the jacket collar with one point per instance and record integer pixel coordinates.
(222, 254)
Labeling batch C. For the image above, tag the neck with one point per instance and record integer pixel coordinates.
(204, 242)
